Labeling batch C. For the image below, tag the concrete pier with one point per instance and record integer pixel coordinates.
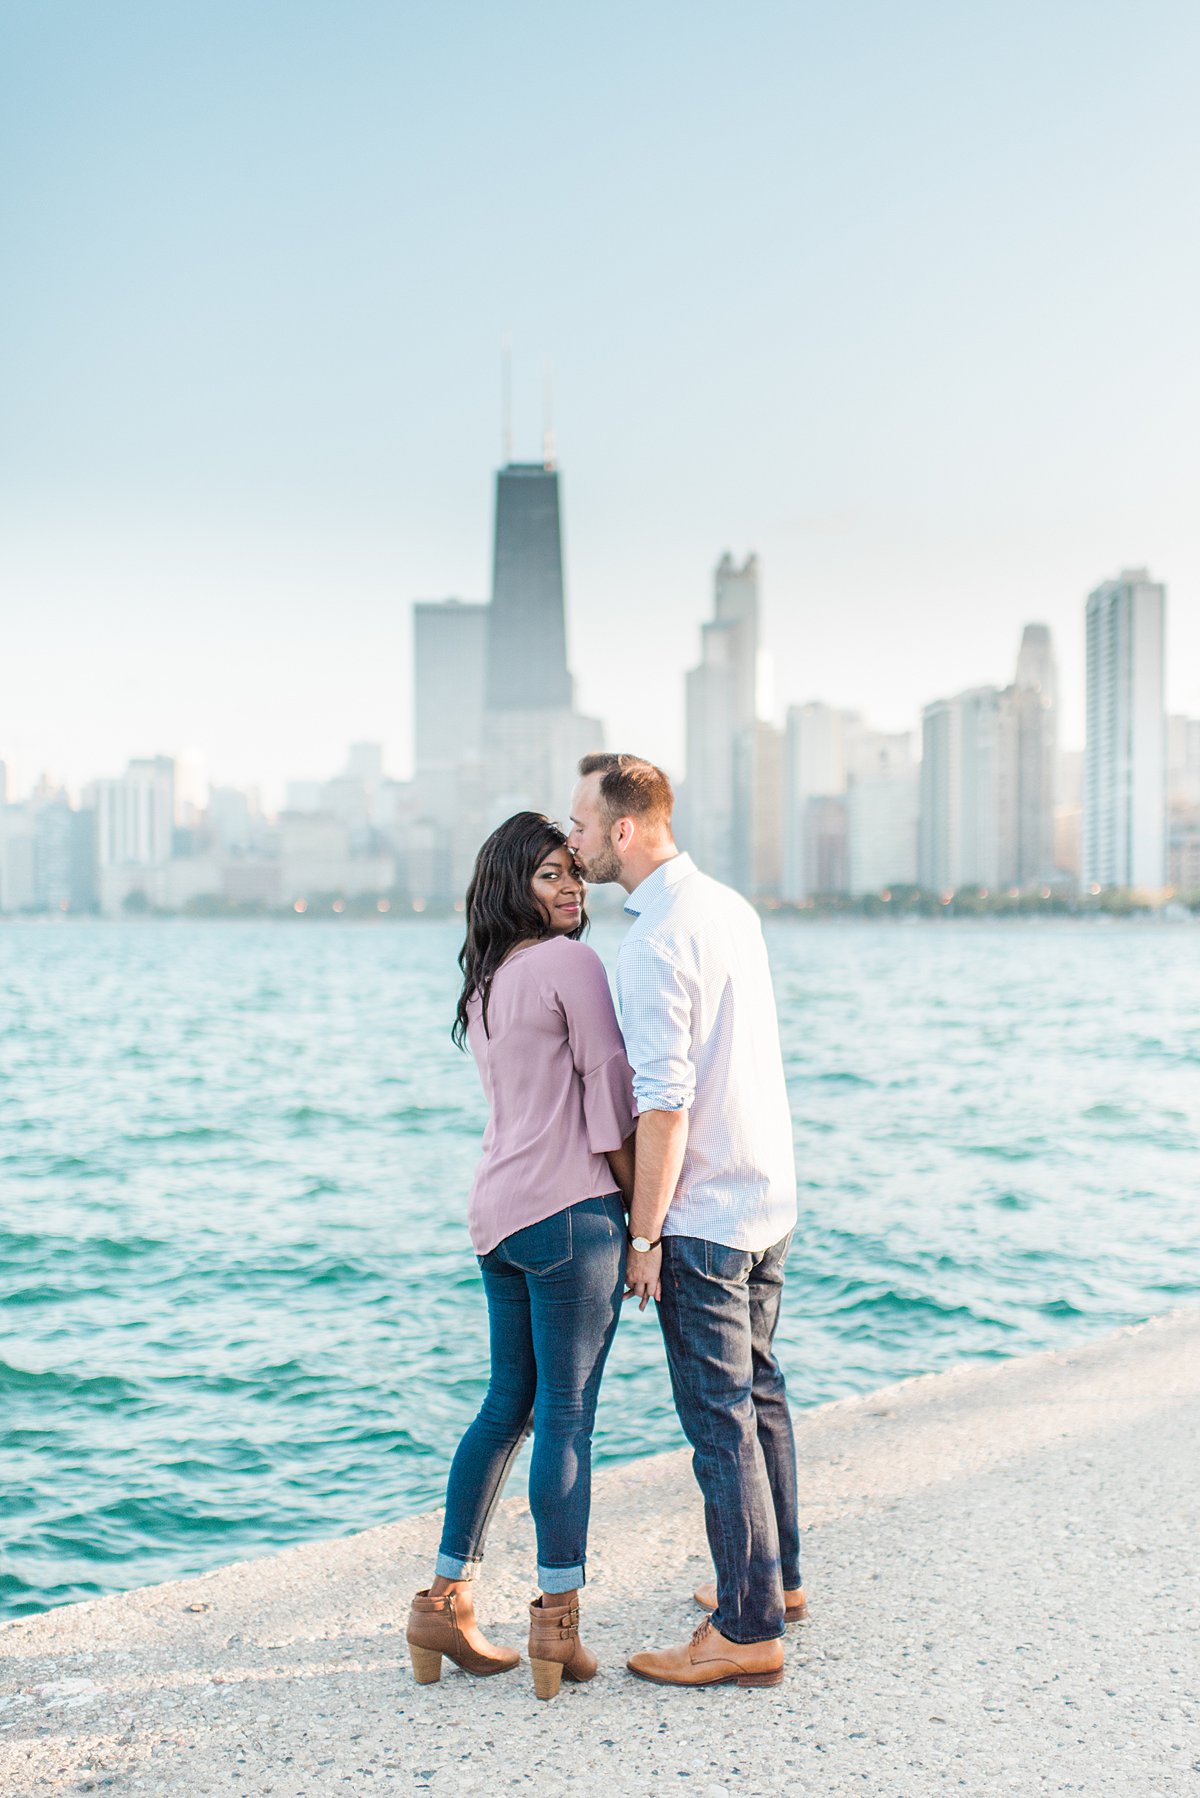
(1002, 1572)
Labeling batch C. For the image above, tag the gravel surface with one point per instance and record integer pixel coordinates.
(1001, 1566)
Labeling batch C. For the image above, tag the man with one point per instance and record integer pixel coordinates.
(713, 1208)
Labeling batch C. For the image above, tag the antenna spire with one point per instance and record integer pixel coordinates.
(506, 430)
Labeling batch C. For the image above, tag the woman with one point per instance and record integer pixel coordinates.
(547, 1220)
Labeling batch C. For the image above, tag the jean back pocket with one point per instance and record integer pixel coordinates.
(540, 1248)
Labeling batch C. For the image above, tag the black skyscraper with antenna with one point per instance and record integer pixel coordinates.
(527, 637)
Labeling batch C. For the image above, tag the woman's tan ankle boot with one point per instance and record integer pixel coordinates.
(447, 1626)
(555, 1650)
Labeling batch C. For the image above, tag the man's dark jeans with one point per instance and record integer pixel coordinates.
(719, 1310)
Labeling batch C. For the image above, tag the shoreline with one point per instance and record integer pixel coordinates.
(1000, 1564)
(1174, 911)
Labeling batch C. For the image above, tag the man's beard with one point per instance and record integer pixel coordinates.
(605, 866)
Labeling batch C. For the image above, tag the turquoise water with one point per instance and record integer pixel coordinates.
(238, 1303)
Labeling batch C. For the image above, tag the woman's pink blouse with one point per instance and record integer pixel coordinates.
(558, 1086)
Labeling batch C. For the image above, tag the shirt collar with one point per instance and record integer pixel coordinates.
(665, 876)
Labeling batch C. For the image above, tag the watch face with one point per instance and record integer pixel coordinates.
(641, 1244)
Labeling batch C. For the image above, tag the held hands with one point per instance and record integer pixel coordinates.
(643, 1276)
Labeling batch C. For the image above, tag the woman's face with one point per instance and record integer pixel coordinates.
(558, 891)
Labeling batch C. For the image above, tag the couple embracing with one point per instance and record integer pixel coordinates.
(650, 1160)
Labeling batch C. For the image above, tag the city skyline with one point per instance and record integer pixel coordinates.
(21, 783)
(879, 295)
(826, 805)
(271, 776)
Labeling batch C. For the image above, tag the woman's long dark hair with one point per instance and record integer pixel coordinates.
(501, 909)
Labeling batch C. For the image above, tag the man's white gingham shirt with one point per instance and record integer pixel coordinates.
(702, 1035)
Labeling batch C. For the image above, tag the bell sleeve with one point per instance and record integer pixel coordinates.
(598, 1051)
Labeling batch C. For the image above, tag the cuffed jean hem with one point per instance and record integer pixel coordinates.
(454, 1567)
(776, 1635)
(559, 1579)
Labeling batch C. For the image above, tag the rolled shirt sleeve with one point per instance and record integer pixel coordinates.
(656, 1015)
(598, 1051)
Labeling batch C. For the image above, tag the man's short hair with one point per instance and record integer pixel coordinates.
(631, 787)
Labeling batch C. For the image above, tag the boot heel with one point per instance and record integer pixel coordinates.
(426, 1664)
(761, 1679)
(547, 1677)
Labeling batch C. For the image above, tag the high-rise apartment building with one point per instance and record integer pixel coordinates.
(988, 775)
(449, 813)
(758, 812)
(1037, 666)
(882, 812)
(725, 757)
(1183, 763)
(814, 768)
(449, 679)
(1124, 785)
(882, 809)
(1183, 803)
(135, 815)
(706, 824)
(135, 830)
(1026, 764)
(735, 613)
(959, 830)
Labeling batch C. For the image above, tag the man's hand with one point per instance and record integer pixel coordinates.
(643, 1276)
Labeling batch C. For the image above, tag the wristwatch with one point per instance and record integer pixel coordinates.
(642, 1244)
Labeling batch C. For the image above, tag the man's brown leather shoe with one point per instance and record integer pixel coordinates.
(555, 1650)
(710, 1660)
(795, 1605)
(446, 1626)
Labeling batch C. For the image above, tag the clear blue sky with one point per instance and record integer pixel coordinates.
(903, 297)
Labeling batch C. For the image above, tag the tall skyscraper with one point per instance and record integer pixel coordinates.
(1026, 763)
(135, 830)
(448, 813)
(449, 678)
(1183, 762)
(706, 826)
(532, 735)
(723, 752)
(820, 750)
(135, 815)
(1183, 803)
(1124, 787)
(495, 722)
(959, 834)
(1036, 664)
(758, 812)
(527, 635)
(735, 613)
(882, 810)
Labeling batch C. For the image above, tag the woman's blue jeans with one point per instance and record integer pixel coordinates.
(554, 1297)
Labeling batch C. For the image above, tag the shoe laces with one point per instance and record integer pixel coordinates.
(700, 1633)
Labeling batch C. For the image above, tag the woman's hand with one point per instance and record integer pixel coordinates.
(643, 1276)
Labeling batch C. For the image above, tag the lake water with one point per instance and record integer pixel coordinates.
(237, 1298)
